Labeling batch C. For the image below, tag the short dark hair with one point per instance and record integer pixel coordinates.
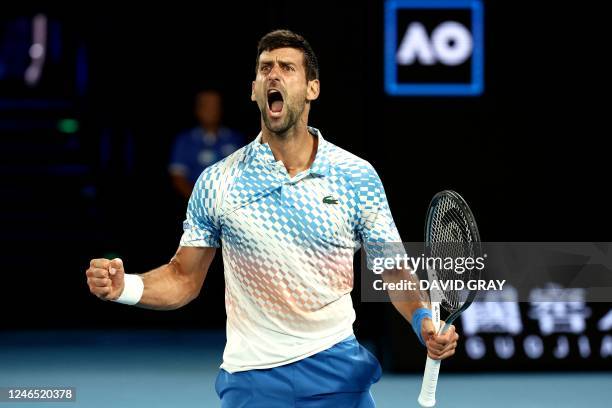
(286, 38)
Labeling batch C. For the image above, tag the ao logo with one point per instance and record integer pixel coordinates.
(450, 44)
(434, 47)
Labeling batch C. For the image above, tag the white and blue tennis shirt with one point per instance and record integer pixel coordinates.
(288, 247)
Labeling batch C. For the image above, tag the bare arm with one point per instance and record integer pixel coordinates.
(179, 282)
(405, 302)
(166, 288)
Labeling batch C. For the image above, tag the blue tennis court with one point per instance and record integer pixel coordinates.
(177, 369)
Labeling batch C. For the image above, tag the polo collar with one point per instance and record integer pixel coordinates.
(320, 166)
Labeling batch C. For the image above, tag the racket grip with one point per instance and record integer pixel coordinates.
(427, 397)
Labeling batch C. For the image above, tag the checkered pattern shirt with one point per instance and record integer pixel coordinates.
(288, 247)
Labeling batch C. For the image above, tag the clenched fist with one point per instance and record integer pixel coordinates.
(439, 346)
(105, 278)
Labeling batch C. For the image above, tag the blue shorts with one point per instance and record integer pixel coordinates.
(339, 377)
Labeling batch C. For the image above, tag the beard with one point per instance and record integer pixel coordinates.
(292, 115)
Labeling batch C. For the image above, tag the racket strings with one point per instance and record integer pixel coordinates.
(451, 237)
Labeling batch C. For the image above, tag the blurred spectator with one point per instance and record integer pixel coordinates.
(207, 143)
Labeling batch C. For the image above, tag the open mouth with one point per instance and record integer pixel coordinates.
(275, 101)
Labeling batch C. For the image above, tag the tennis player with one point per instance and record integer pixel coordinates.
(290, 210)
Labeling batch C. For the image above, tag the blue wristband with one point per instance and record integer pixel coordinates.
(417, 318)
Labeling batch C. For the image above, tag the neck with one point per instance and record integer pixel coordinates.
(296, 148)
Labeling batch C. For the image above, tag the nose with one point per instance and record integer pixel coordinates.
(274, 72)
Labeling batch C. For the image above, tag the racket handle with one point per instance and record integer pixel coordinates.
(427, 397)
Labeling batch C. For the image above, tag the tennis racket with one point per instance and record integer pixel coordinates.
(450, 231)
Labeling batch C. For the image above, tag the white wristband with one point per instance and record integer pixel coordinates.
(132, 290)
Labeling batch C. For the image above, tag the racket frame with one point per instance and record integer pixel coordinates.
(427, 396)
